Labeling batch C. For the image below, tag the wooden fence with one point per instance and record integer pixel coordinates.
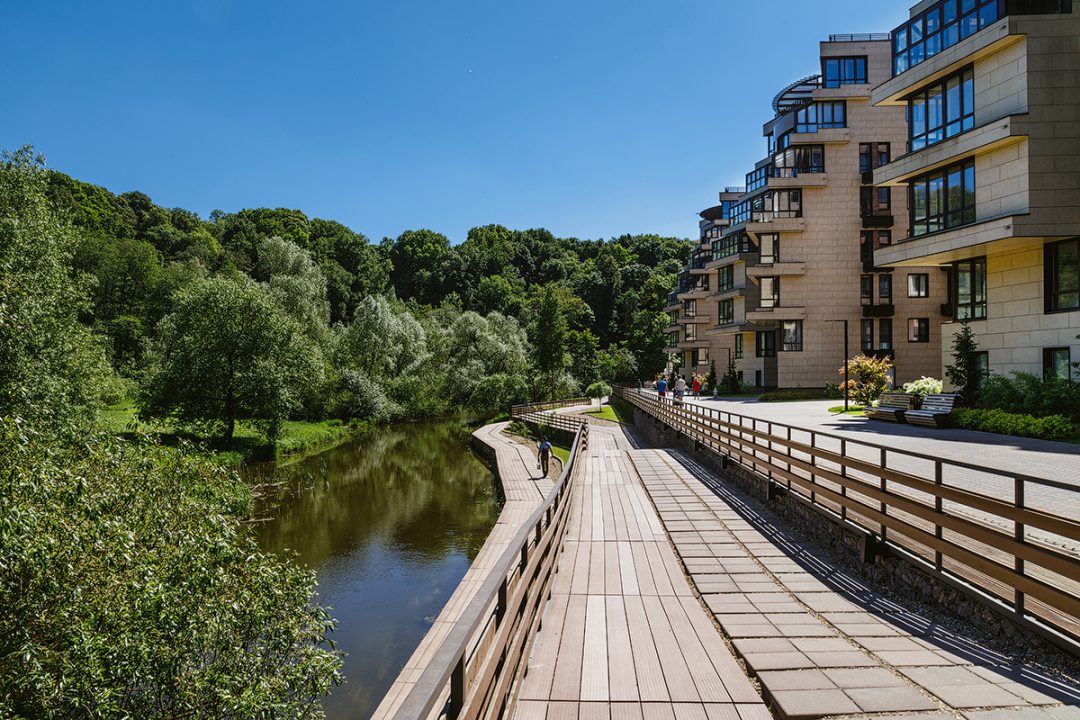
(475, 671)
(544, 418)
(1010, 539)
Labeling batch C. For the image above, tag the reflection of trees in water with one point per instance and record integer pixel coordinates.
(417, 487)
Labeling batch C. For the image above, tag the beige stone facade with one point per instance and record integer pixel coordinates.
(788, 258)
(1012, 260)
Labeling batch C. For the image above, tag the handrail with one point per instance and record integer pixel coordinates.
(475, 669)
(999, 549)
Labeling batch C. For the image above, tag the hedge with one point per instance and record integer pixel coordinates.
(1052, 427)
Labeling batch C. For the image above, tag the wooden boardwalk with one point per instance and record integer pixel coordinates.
(623, 635)
(524, 491)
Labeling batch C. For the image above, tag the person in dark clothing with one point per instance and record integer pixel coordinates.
(545, 455)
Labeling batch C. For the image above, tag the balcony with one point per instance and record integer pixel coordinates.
(768, 223)
(778, 269)
(874, 218)
(878, 311)
(776, 314)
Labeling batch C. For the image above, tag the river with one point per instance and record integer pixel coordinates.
(389, 522)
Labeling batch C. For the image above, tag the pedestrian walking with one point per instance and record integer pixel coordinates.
(661, 387)
(545, 455)
(697, 387)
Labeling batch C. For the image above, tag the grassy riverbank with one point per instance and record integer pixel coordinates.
(298, 437)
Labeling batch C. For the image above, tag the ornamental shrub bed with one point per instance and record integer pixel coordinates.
(1052, 427)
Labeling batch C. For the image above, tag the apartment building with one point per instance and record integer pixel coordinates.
(989, 167)
(690, 313)
(792, 253)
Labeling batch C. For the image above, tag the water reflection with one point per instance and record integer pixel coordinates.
(389, 522)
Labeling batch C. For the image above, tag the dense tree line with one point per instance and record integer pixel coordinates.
(266, 314)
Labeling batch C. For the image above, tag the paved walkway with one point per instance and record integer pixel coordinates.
(524, 490)
(819, 641)
(623, 635)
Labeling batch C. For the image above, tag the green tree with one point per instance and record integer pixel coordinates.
(229, 351)
(549, 337)
(419, 260)
(295, 282)
(131, 588)
(51, 367)
(964, 372)
(868, 378)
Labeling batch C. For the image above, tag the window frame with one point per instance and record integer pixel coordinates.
(796, 344)
(920, 108)
(766, 348)
(885, 339)
(973, 304)
(1049, 364)
(1052, 285)
(938, 28)
(774, 296)
(946, 217)
(913, 290)
(866, 335)
(885, 289)
(722, 317)
(725, 278)
(842, 77)
(821, 115)
(774, 257)
(922, 330)
(739, 342)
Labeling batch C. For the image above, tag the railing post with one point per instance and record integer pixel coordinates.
(457, 690)
(1018, 599)
(884, 505)
(843, 474)
(813, 464)
(500, 604)
(939, 506)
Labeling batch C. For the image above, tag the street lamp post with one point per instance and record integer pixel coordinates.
(846, 377)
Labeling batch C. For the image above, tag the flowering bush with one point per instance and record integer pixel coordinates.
(924, 386)
(869, 377)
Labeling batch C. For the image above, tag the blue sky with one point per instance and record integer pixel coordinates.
(591, 118)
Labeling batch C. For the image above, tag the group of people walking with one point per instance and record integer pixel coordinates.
(680, 388)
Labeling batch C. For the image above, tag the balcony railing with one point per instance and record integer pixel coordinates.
(859, 37)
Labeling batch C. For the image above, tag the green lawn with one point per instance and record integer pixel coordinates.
(610, 412)
(297, 438)
(854, 411)
(561, 453)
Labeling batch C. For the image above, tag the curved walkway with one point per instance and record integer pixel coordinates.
(524, 490)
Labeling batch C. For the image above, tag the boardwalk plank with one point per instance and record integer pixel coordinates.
(594, 669)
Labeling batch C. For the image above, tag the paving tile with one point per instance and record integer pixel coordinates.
(1029, 713)
(983, 695)
(763, 645)
(776, 680)
(864, 678)
(778, 661)
(826, 602)
(851, 658)
(815, 629)
(891, 699)
(932, 677)
(730, 604)
(823, 645)
(904, 658)
(888, 643)
(796, 704)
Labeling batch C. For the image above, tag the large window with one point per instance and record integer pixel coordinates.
(725, 278)
(919, 330)
(821, 116)
(732, 245)
(918, 285)
(873, 155)
(726, 309)
(885, 334)
(690, 333)
(943, 199)
(738, 347)
(766, 344)
(1063, 276)
(770, 248)
(701, 356)
(757, 178)
(843, 71)
(875, 201)
(940, 27)
(969, 287)
(942, 110)
(770, 292)
(792, 333)
(689, 308)
(799, 159)
(866, 336)
(866, 289)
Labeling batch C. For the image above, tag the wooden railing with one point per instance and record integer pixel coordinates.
(1010, 539)
(543, 415)
(475, 671)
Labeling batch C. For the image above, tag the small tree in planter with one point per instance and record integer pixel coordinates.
(869, 378)
(964, 373)
(732, 385)
(710, 380)
(599, 390)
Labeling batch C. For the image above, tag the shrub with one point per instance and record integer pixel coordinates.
(1053, 427)
(869, 378)
(1032, 395)
(131, 588)
(924, 386)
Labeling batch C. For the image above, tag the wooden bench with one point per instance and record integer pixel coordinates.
(934, 412)
(893, 406)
